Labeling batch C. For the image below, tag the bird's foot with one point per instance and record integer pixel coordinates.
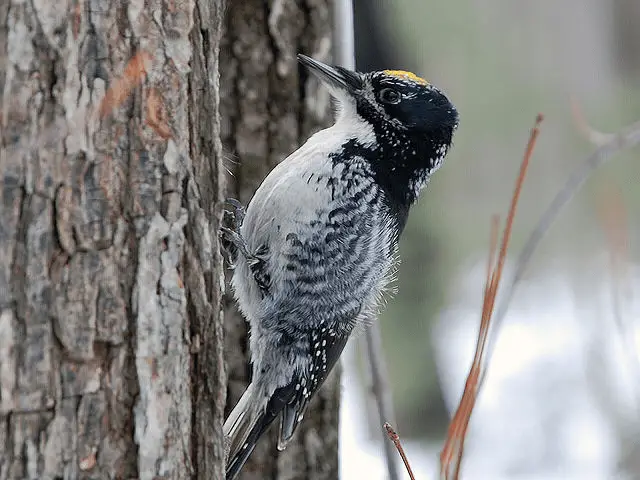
(232, 235)
(237, 214)
(234, 238)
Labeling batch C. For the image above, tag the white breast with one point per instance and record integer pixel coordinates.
(290, 196)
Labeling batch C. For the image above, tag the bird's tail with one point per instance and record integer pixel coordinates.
(242, 429)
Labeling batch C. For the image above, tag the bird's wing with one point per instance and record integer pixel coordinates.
(295, 397)
(332, 257)
(328, 244)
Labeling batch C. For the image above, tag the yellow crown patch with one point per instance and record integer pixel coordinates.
(407, 76)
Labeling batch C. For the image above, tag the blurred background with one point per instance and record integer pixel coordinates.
(562, 394)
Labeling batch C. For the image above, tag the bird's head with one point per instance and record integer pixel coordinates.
(413, 120)
(401, 99)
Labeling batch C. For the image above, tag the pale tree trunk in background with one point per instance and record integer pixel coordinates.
(110, 327)
(269, 106)
(626, 34)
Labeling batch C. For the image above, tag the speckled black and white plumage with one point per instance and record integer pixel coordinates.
(323, 231)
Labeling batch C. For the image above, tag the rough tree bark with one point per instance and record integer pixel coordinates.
(110, 275)
(269, 106)
(111, 353)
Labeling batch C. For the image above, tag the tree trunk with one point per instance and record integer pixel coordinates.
(110, 326)
(111, 333)
(269, 107)
(626, 37)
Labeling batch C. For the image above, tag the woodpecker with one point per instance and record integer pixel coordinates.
(317, 244)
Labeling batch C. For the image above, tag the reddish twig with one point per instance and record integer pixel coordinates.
(453, 450)
(393, 436)
(482, 336)
(493, 249)
(626, 139)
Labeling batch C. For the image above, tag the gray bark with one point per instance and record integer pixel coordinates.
(269, 106)
(111, 333)
(110, 326)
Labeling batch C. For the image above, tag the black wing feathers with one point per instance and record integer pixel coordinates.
(326, 347)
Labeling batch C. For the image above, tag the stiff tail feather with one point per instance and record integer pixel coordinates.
(242, 429)
(289, 421)
(251, 417)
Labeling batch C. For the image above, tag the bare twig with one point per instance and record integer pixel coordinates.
(393, 436)
(493, 249)
(381, 391)
(468, 408)
(453, 450)
(345, 56)
(624, 140)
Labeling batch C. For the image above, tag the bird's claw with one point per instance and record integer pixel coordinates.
(234, 237)
(237, 213)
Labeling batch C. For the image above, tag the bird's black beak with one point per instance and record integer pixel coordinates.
(333, 76)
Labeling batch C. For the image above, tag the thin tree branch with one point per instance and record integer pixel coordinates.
(624, 140)
(381, 391)
(453, 449)
(395, 438)
(345, 56)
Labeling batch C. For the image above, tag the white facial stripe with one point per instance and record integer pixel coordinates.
(369, 95)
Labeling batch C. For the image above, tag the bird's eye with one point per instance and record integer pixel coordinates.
(389, 95)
